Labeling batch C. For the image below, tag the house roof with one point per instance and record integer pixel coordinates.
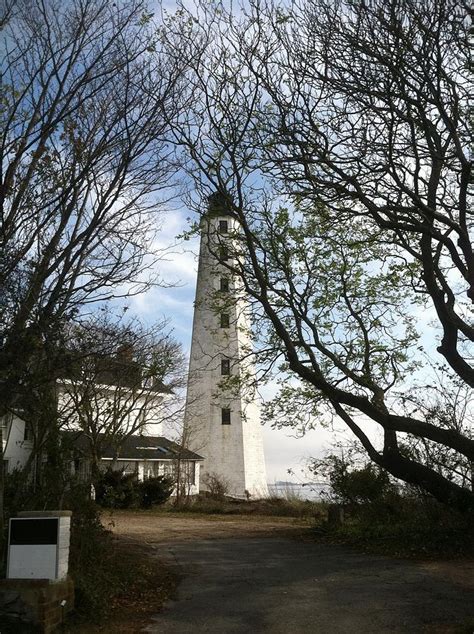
(118, 371)
(135, 447)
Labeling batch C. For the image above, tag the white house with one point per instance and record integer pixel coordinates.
(16, 444)
(119, 406)
(145, 456)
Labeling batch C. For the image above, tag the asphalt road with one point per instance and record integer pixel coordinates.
(282, 586)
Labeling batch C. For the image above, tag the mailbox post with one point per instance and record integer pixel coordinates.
(38, 545)
(37, 592)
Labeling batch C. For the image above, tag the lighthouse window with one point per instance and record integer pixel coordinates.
(224, 285)
(225, 413)
(224, 253)
(223, 226)
(224, 320)
(225, 367)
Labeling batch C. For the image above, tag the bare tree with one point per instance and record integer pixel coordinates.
(336, 133)
(83, 171)
(186, 437)
(122, 378)
(83, 156)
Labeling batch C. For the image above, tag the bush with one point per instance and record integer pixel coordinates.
(117, 490)
(354, 484)
(384, 518)
(21, 493)
(155, 491)
(215, 486)
(368, 484)
(91, 549)
(18, 493)
(409, 526)
(120, 490)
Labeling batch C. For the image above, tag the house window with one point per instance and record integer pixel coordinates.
(224, 320)
(4, 426)
(5, 468)
(187, 473)
(224, 285)
(130, 467)
(191, 472)
(223, 226)
(169, 469)
(225, 367)
(223, 253)
(225, 416)
(26, 432)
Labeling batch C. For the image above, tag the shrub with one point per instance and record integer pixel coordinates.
(368, 484)
(90, 552)
(116, 489)
(384, 518)
(215, 486)
(409, 526)
(23, 492)
(351, 484)
(120, 490)
(18, 493)
(155, 491)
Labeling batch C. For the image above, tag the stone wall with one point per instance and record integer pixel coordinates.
(35, 605)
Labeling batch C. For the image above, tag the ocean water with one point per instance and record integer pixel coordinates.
(307, 491)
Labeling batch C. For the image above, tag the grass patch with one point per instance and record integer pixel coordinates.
(271, 506)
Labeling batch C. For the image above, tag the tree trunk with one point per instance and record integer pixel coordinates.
(442, 489)
(2, 493)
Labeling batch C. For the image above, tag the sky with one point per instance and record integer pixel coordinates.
(283, 451)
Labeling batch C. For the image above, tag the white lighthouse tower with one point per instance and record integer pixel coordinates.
(222, 418)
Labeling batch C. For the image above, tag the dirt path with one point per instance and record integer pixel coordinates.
(155, 528)
(260, 575)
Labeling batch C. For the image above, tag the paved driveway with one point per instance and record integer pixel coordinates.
(282, 586)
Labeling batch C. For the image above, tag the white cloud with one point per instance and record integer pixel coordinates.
(158, 302)
(283, 451)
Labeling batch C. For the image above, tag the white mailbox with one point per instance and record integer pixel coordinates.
(38, 545)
